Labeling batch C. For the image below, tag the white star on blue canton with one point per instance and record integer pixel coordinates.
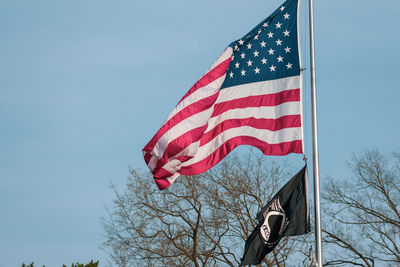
(286, 33)
(264, 60)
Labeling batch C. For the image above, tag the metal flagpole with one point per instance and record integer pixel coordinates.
(317, 208)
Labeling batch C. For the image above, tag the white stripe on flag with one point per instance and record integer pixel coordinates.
(270, 137)
(193, 122)
(228, 52)
(201, 93)
(273, 112)
(258, 88)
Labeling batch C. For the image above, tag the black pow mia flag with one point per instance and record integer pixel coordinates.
(287, 214)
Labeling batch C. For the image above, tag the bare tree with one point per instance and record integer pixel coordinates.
(200, 220)
(363, 223)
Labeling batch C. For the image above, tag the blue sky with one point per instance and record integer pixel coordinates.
(84, 85)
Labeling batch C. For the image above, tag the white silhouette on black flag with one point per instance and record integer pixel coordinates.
(287, 214)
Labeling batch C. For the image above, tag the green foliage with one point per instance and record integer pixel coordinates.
(30, 265)
(90, 264)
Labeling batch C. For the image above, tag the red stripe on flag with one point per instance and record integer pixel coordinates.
(162, 183)
(185, 113)
(258, 101)
(187, 138)
(283, 122)
(211, 76)
(280, 149)
(184, 141)
(162, 175)
(177, 145)
(147, 157)
(194, 108)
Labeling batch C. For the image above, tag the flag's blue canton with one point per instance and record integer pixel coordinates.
(269, 51)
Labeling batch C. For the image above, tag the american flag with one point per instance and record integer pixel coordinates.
(250, 96)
